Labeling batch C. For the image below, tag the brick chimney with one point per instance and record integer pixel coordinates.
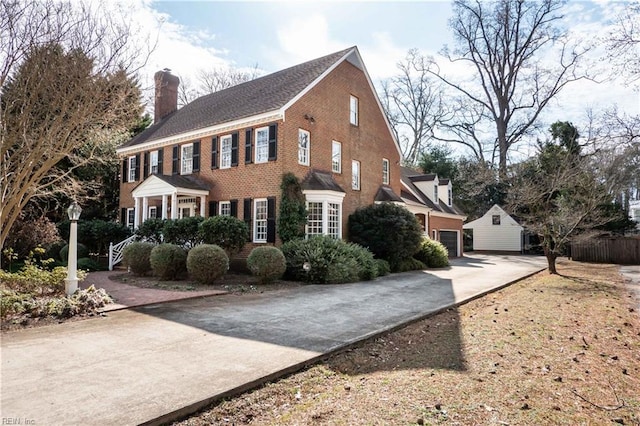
(166, 99)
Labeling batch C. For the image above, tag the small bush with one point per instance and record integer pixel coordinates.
(151, 231)
(267, 263)
(88, 264)
(228, 232)
(207, 262)
(182, 232)
(83, 251)
(389, 231)
(52, 251)
(27, 234)
(383, 267)
(330, 261)
(433, 254)
(136, 256)
(82, 302)
(168, 261)
(410, 264)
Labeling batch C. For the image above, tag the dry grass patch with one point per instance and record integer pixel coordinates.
(547, 350)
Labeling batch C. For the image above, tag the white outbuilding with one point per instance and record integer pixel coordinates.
(496, 231)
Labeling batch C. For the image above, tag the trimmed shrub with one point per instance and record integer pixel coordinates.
(228, 232)
(389, 231)
(151, 231)
(83, 251)
(207, 262)
(410, 264)
(88, 264)
(329, 260)
(182, 232)
(136, 256)
(267, 263)
(383, 267)
(168, 261)
(433, 253)
(52, 251)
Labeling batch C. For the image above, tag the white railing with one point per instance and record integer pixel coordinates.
(115, 251)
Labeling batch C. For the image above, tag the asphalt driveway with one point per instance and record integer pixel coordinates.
(156, 362)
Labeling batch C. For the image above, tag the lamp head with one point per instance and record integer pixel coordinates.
(74, 211)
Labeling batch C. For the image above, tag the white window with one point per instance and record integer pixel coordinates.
(353, 110)
(262, 145)
(385, 171)
(303, 147)
(187, 159)
(153, 212)
(153, 162)
(225, 208)
(225, 152)
(260, 221)
(435, 194)
(336, 157)
(324, 214)
(131, 218)
(355, 175)
(132, 169)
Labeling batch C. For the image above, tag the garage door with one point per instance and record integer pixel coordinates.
(450, 240)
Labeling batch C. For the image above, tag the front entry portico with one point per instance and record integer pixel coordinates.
(173, 196)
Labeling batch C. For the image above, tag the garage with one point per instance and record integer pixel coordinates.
(450, 240)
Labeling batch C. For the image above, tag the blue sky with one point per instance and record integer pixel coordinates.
(198, 35)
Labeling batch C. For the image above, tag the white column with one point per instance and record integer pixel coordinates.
(202, 209)
(174, 206)
(164, 206)
(145, 208)
(136, 221)
(71, 283)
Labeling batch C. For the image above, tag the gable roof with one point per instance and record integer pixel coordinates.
(408, 178)
(486, 220)
(268, 94)
(317, 180)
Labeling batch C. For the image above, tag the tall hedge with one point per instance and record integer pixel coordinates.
(389, 231)
(227, 232)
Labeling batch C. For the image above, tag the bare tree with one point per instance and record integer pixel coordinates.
(521, 59)
(213, 80)
(67, 90)
(623, 44)
(412, 102)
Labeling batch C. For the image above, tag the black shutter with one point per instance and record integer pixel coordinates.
(214, 152)
(196, 156)
(160, 159)
(234, 208)
(175, 163)
(271, 219)
(213, 208)
(234, 149)
(145, 166)
(273, 142)
(123, 216)
(248, 154)
(137, 166)
(247, 216)
(124, 169)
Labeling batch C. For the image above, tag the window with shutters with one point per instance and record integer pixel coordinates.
(131, 218)
(132, 169)
(260, 220)
(303, 147)
(385, 171)
(353, 110)
(262, 145)
(225, 208)
(225, 152)
(187, 159)
(153, 162)
(355, 175)
(336, 157)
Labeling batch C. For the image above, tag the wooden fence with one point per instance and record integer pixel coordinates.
(621, 250)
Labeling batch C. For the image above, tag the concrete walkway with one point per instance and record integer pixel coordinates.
(155, 363)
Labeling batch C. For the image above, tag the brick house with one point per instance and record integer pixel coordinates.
(225, 153)
(430, 199)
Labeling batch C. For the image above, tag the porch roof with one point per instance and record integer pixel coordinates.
(158, 185)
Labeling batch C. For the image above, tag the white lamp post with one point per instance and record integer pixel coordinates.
(71, 283)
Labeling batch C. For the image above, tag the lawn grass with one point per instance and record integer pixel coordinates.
(551, 349)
